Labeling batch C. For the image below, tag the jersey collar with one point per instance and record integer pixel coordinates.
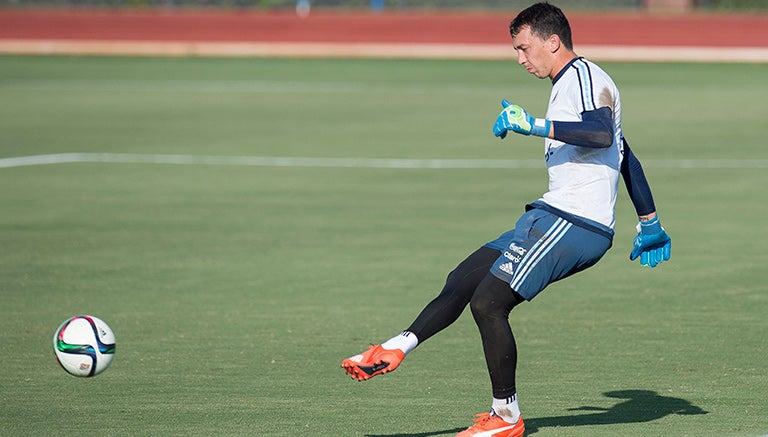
(565, 68)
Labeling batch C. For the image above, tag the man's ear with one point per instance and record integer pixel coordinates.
(553, 43)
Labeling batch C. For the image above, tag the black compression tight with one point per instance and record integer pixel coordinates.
(491, 304)
(491, 301)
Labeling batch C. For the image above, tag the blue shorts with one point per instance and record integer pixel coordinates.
(547, 245)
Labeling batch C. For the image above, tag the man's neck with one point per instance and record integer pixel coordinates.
(561, 61)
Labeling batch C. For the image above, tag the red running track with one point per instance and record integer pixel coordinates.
(625, 29)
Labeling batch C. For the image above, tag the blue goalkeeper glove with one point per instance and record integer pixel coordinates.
(652, 244)
(516, 119)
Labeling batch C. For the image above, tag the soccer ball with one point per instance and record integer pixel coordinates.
(84, 346)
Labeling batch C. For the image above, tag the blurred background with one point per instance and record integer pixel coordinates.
(682, 5)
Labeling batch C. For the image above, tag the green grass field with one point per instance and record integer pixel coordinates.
(235, 290)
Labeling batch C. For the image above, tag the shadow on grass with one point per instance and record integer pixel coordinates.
(640, 406)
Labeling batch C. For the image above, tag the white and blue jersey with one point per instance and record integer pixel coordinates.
(583, 181)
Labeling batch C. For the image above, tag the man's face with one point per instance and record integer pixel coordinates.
(533, 53)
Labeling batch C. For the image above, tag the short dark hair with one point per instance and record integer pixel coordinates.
(544, 20)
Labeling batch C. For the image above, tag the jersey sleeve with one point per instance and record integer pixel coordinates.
(636, 182)
(594, 130)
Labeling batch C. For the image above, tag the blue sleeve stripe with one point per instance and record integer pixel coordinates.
(585, 82)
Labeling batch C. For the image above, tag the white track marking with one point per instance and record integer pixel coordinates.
(499, 51)
(394, 163)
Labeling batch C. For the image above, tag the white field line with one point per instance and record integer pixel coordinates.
(394, 163)
(266, 161)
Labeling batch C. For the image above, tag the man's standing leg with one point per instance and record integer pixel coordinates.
(491, 304)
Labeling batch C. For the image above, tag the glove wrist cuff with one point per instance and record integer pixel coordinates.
(652, 226)
(541, 127)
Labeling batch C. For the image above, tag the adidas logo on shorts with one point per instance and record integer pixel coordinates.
(507, 268)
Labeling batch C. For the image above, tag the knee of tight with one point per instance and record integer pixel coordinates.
(486, 308)
(493, 298)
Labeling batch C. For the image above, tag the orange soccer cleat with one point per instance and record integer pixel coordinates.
(491, 425)
(375, 361)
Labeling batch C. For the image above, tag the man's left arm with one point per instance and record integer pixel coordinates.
(652, 244)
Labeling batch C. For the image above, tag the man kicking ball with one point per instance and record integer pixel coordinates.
(562, 233)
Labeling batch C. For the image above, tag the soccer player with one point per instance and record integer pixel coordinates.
(564, 232)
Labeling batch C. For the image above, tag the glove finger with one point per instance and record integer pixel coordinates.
(505, 103)
(655, 257)
(667, 249)
(650, 261)
(637, 249)
(497, 125)
(503, 135)
(644, 258)
(500, 127)
(660, 255)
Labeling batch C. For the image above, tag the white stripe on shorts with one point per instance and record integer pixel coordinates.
(539, 251)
